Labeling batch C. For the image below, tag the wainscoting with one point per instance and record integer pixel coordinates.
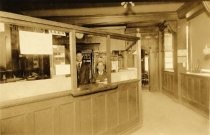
(168, 84)
(195, 91)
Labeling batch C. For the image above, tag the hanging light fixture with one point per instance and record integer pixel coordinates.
(126, 4)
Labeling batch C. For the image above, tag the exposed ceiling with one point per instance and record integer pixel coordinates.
(95, 13)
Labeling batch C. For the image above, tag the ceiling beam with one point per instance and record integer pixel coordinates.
(142, 30)
(118, 19)
(20, 5)
(108, 11)
(190, 9)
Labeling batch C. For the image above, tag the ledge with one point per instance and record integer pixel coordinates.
(171, 71)
(90, 89)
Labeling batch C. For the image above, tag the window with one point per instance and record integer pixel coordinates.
(168, 51)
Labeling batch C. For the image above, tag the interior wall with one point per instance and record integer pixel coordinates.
(199, 37)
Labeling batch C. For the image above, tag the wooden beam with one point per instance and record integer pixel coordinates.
(21, 20)
(103, 10)
(108, 62)
(132, 44)
(118, 19)
(190, 9)
(142, 30)
(144, 24)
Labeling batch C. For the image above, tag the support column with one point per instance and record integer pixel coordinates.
(72, 46)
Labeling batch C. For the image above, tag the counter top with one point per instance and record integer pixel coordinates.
(90, 89)
(198, 74)
(24, 89)
(12, 95)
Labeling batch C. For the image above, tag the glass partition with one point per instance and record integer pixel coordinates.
(33, 54)
(91, 60)
(123, 60)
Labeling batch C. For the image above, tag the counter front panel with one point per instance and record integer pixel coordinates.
(107, 112)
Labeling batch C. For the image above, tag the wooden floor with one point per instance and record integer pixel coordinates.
(163, 116)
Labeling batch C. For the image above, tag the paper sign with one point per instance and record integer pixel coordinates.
(62, 69)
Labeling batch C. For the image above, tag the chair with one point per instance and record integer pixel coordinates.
(145, 79)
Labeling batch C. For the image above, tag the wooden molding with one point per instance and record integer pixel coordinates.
(206, 4)
(142, 30)
(190, 10)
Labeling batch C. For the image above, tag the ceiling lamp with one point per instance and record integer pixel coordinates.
(79, 35)
(126, 4)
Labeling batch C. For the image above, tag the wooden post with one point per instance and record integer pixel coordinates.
(161, 60)
(72, 46)
(108, 60)
(138, 49)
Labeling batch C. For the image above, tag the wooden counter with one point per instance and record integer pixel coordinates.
(108, 112)
(195, 90)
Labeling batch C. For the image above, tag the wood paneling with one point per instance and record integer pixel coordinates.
(44, 122)
(12, 125)
(109, 112)
(132, 102)
(168, 84)
(153, 65)
(195, 91)
(112, 109)
(66, 119)
(123, 104)
(29, 123)
(197, 95)
(184, 86)
(204, 91)
(83, 117)
(190, 89)
(99, 114)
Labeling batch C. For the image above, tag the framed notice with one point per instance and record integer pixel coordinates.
(58, 54)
